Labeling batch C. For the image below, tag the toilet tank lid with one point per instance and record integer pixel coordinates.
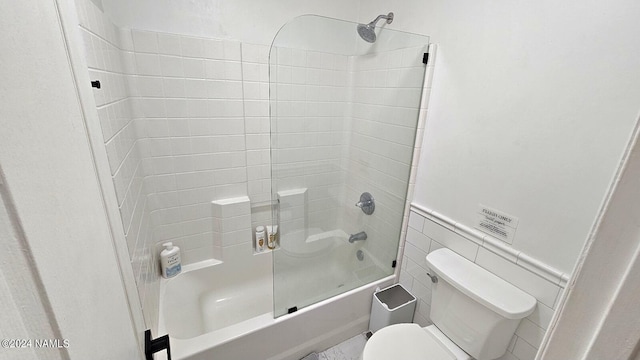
(481, 285)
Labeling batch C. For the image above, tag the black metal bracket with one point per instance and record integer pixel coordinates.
(393, 264)
(425, 58)
(153, 346)
(291, 310)
(95, 84)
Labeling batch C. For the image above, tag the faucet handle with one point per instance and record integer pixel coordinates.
(434, 279)
(366, 203)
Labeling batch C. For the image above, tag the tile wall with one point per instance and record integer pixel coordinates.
(310, 120)
(190, 94)
(425, 235)
(110, 60)
(337, 149)
(181, 128)
(387, 87)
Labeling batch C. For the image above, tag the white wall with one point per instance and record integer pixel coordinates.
(598, 318)
(28, 314)
(50, 175)
(252, 21)
(530, 110)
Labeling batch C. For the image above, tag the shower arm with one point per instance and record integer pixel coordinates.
(388, 17)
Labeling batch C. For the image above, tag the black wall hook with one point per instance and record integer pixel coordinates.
(95, 84)
(153, 346)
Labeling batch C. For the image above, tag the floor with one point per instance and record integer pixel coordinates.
(350, 349)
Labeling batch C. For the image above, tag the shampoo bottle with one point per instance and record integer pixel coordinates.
(260, 239)
(272, 231)
(170, 260)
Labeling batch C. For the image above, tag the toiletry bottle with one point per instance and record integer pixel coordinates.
(260, 238)
(170, 260)
(272, 231)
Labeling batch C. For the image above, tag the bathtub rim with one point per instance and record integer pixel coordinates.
(184, 348)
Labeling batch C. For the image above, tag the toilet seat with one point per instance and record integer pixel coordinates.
(406, 341)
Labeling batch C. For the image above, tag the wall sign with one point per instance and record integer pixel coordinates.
(496, 223)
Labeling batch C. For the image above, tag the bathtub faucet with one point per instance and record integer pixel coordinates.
(361, 236)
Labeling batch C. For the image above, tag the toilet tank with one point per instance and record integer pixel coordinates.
(476, 309)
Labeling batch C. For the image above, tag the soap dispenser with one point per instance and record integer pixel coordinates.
(170, 260)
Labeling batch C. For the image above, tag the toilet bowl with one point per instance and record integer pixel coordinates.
(474, 312)
(410, 341)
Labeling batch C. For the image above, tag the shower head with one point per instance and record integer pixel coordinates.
(367, 32)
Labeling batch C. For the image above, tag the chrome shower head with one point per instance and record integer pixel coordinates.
(367, 32)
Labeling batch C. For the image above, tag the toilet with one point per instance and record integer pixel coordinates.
(474, 314)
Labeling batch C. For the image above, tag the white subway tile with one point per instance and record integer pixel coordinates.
(423, 308)
(420, 320)
(198, 108)
(530, 332)
(232, 50)
(418, 272)
(125, 39)
(180, 146)
(213, 49)
(508, 356)
(152, 107)
(421, 291)
(171, 66)
(450, 240)
(236, 237)
(405, 278)
(232, 190)
(197, 255)
(177, 108)
(232, 70)
(148, 64)
(233, 89)
(541, 316)
(250, 72)
(255, 53)
(150, 86)
(512, 344)
(169, 44)
(259, 108)
(541, 289)
(257, 141)
(196, 88)
(194, 68)
(145, 41)
(418, 239)
(524, 350)
(214, 69)
(192, 47)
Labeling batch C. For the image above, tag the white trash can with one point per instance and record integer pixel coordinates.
(391, 305)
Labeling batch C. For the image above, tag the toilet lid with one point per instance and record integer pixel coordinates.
(405, 341)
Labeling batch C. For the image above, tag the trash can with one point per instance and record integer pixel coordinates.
(391, 305)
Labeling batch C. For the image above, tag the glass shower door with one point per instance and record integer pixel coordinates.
(344, 114)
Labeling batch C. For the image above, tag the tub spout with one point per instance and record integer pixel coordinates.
(361, 236)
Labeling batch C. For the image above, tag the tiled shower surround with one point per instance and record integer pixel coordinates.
(178, 134)
(185, 122)
(345, 125)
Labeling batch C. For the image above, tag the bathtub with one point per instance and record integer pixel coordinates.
(221, 310)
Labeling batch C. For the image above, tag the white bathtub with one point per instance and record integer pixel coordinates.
(224, 311)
